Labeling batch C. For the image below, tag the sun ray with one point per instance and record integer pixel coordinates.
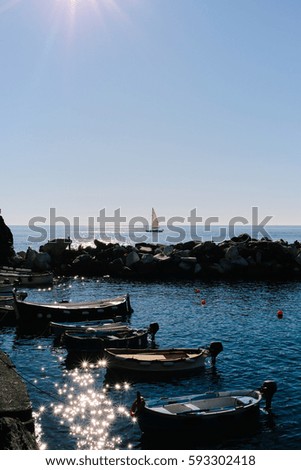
(8, 5)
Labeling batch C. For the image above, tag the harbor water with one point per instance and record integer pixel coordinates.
(85, 408)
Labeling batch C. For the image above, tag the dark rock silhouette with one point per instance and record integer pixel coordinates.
(15, 436)
(241, 257)
(6, 243)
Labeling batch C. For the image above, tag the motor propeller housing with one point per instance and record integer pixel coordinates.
(214, 349)
(268, 388)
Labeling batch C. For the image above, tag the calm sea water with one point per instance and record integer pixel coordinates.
(85, 408)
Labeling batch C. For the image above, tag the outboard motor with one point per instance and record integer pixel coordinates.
(128, 305)
(215, 348)
(152, 330)
(268, 388)
(21, 295)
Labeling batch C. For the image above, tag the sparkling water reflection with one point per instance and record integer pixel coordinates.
(88, 408)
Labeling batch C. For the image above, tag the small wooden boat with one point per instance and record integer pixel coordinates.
(34, 316)
(10, 299)
(6, 287)
(7, 309)
(25, 277)
(208, 413)
(161, 361)
(7, 315)
(97, 341)
(59, 328)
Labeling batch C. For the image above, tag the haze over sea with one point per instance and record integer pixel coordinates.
(25, 237)
(86, 408)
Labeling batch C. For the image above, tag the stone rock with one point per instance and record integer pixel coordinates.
(168, 249)
(225, 265)
(243, 238)
(189, 259)
(145, 249)
(37, 261)
(147, 258)
(183, 253)
(197, 268)
(132, 258)
(15, 436)
(18, 261)
(298, 258)
(56, 247)
(208, 251)
(161, 257)
(185, 266)
(217, 268)
(258, 257)
(239, 261)
(83, 259)
(118, 251)
(189, 245)
(232, 253)
(100, 245)
(116, 266)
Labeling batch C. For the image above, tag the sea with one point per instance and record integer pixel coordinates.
(83, 407)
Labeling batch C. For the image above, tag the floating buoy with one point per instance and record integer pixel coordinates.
(203, 302)
(197, 291)
(280, 314)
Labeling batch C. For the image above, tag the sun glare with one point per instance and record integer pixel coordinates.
(80, 13)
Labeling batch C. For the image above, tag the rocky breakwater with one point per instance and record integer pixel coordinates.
(240, 257)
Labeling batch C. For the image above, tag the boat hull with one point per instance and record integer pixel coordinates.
(36, 317)
(58, 329)
(189, 417)
(25, 277)
(155, 361)
(88, 344)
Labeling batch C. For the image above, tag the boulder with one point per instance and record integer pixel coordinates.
(207, 252)
(168, 249)
(298, 258)
(100, 245)
(197, 268)
(116, 266)
(145, 249)
(232, 253)
(83, 259)
(243, 238)
(56, 247)
(185, 265)
(37, 261)
(161, 257)
(147, 258)
(183, 253)
(15, 436)
(239, 261)
(225, 265)
(132, 258)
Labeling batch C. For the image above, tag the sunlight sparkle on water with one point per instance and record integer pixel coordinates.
(88, 411)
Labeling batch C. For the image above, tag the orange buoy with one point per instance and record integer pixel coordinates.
(203, 302)
(280, 314)
(197, 291)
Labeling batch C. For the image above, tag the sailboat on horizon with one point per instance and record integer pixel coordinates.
(155, 223)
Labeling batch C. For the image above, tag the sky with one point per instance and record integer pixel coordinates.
(134, 104)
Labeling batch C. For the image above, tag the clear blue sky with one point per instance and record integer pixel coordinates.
(176, 104)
